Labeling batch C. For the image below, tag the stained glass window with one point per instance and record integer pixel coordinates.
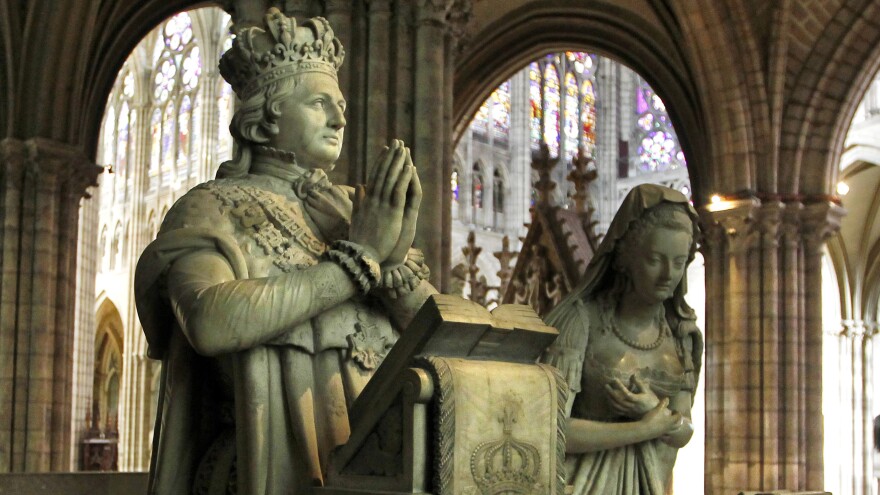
(480, 124)
(536, 109)
(122, 133)
(155, 141)
(551, 108)
(195, 138)
(183, 132)
(109, 136)
(117, 136)
(152, 128)
(588, 115)
(225, 102)
(224, 114)
(176, 77)
(581, 62)
(501, 111)
(168, 139)
(658, 148)
(192, 69)
(453, 181)
(165, 80)
(572, 109)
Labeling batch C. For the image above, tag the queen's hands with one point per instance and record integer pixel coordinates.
(385, 211)
(633, 401)
(662, 421)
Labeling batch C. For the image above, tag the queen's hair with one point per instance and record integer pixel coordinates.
(672, 216)
(255, 122)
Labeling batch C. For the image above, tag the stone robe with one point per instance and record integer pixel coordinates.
(263, 418)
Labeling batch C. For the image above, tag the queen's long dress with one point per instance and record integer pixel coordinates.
(590, 355)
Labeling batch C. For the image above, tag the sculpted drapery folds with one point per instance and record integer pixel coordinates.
(630, 349)
(270, 294)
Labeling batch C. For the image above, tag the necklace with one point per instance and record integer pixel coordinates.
(661, 335)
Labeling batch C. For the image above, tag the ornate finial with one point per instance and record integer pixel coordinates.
(260, 56)
(581, 178)
(477, 284)
(505, 256)
(542, 163)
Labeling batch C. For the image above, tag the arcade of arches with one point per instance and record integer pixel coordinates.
(111, 110)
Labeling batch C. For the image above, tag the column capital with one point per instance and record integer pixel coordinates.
(432, 11)
(856, 329)
(732, 221)
(453, 14)
(13, 155)
(458, 15)
(768, 222)
(296, 8)
(67, 163)
(791, 224)
(819, 221)
(375, 6)
(871, 329)
(337, 6)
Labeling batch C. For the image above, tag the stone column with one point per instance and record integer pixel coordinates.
(519, 145)
(791, 418)
(818, 222)
(403, 75)
(338, 13)
(88, 257)
(458, 13)
(764, 344)
(135, 425)
(42, 184)
(769, 221)
(427, 149)
(729, 430)
(209, 115)
(379, 70)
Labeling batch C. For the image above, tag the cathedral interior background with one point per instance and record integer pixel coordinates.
(768, 117)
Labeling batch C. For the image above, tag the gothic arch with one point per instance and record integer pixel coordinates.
(108, 365)
(859, 153)
(121, 29)
(834, 77)
(649, 46)
(7, 37)
(83, 47)
(477, 172)
(856, 250)
(499, 172)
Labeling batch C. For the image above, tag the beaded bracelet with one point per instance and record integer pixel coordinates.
(363, 270)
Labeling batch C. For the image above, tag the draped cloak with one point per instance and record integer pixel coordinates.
(264, 419)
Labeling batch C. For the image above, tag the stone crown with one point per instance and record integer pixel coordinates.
(261, 56)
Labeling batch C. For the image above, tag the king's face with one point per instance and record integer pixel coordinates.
(312, 121)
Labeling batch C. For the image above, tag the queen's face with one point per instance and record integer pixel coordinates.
(312, 122)
(658, 264)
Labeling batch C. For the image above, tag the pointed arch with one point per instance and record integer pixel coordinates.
(637, 35)
(109, 347)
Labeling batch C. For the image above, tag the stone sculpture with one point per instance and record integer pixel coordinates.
(630, 349)
(459, 407)
(270, 294)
